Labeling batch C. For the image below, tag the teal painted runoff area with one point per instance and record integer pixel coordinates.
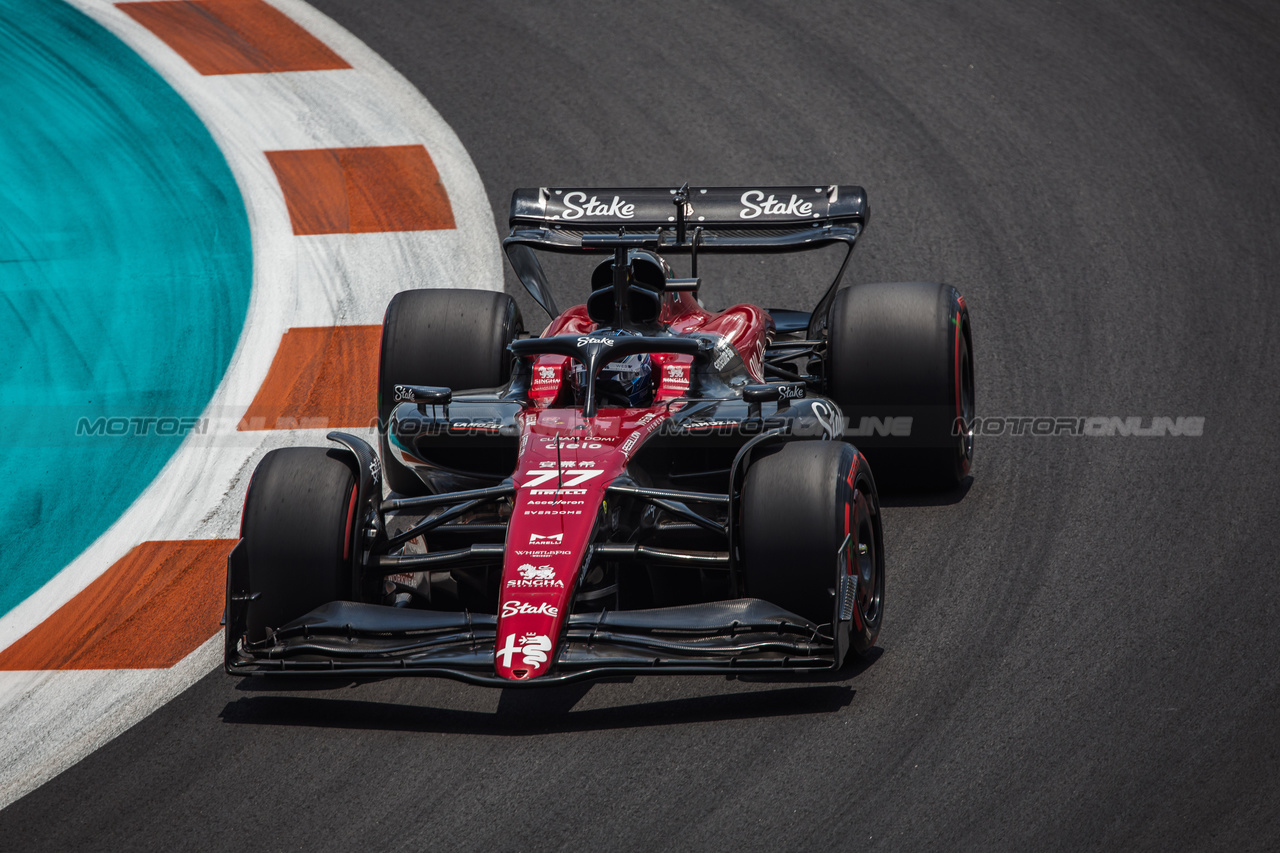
(125, 271)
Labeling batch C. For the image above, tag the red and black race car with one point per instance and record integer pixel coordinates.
(646, 487)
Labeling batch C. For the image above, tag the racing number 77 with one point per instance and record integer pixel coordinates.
(571, 478)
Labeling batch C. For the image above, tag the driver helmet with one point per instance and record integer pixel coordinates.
(623, 384)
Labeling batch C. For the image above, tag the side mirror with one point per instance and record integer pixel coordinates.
(780, 392)
(424, 395)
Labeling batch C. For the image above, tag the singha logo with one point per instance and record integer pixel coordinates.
(530, 572)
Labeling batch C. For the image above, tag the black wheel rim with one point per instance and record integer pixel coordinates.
(864, 563)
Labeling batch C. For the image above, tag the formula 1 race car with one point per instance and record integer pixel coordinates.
(646, 487)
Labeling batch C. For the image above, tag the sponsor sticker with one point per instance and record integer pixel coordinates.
(531, 647)
(514, 608)
(725, 354)
(708, 424)
(538, 584)
(754, 204)
(644, 426)
(577, 205)
(529, 572)
(535, 577)
(827, 418)
(488, 426)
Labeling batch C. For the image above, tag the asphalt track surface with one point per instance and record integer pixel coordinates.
(1079, 650)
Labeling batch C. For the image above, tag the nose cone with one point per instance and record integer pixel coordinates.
(564, 469)
(546, 542)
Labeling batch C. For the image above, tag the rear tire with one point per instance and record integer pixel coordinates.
(298, 532)
(798, 504)
(897, 351)
(452, 338)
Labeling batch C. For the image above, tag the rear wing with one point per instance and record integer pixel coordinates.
(688, 218)
(681, 220)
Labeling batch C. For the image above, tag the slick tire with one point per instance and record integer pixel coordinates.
(900, 366)
(299, 529)
(452, 338)
(798, 505)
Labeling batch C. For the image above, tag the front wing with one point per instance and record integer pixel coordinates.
(721, 637)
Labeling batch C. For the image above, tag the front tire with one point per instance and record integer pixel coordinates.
(298, 533)
(900, 367)
(798, 506)
(452, 338)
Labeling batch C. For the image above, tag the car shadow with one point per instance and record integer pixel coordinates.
(905, 496)
(545, 711)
